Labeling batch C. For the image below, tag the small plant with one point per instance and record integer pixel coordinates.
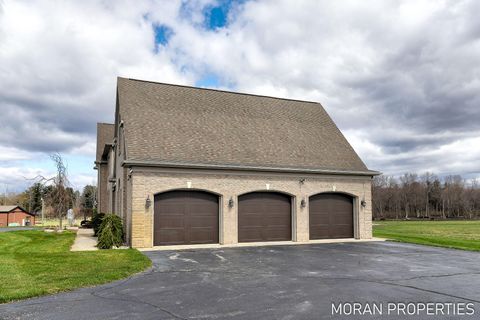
(97, 221)
(110, 233)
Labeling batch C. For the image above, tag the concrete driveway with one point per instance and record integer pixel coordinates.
(281, 282)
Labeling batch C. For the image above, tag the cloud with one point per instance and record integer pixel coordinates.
(17, 178)
(401, 79)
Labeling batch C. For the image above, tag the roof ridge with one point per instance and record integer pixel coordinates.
(220, 90)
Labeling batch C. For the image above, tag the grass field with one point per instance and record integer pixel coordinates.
(451, 234)
(34, 263)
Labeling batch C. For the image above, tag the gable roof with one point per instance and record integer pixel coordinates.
(105, 133)
(187, 126)
(7, 209)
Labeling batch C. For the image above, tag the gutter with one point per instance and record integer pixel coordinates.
(130, 163)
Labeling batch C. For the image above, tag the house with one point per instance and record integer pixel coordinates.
(185, 165)
(12, 216)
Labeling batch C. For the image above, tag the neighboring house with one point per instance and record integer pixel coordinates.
(15, 216)
(187, 165)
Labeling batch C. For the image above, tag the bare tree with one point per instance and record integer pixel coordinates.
(425, 197)
(59, 197)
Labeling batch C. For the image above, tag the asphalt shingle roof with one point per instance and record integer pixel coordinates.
(105, 134)
(7, 208)
(179, 124)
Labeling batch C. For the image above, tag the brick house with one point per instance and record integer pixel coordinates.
(15, 216)
(185, 165)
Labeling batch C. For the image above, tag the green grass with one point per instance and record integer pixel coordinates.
(34, 263)
(463, 235)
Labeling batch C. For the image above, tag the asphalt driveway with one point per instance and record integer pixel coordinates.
(277, 282)
(8, 229)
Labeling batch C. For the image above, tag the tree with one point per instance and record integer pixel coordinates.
(88, 197)
(427, 196)
(35, 194)
(59, 195)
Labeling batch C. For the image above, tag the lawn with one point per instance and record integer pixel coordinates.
(34, 263)
(451, 234)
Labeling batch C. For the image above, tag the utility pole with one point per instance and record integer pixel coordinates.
(5, 194)
(43, 212)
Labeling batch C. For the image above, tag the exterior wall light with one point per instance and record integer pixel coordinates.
(303, 203)
(230, 203)
(148, 202)
(363, 203)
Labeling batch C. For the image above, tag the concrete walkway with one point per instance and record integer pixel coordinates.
(85, 241)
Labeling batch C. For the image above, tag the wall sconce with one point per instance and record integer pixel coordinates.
(363, 203)
(303, 203)
(148, 202)
(230, 203)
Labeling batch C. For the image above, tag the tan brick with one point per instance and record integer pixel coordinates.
(148, 182)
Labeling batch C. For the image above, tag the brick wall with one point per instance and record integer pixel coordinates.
(16, 216)
(149, 181)
(102, 193)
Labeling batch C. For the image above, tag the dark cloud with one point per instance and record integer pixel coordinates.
(401, 79)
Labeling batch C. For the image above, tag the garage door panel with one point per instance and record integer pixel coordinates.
(250, 219)
(173, 222)
(264, 216)
(251, 234)
(320, 219)
(277, 234)
(202, 221)
(171, 236)
(342, 232)
(278, 220)
(185, 217)
(201, 235)
(319, 232)
(331, 216)
(339, 219)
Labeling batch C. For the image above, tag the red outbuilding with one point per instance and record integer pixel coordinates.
(15, 216)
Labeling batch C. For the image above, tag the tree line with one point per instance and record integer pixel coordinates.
(31, 199)
(53, 196)
(425, 196)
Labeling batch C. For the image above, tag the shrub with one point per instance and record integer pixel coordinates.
(97, 221)
(110, 233)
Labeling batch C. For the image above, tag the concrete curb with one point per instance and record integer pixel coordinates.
(255, 244)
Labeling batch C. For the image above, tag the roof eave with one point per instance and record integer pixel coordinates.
(131, 163)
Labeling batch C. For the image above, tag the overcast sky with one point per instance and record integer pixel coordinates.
(400, 78)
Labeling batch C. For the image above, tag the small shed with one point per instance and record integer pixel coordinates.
(14, 216)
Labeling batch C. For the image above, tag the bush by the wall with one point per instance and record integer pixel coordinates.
(110, 233)
(97, 221)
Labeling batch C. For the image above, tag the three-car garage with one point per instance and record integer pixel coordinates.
(193, 217)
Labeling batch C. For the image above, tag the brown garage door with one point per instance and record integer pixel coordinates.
(331, 216)
(264, 216)
(185, 217)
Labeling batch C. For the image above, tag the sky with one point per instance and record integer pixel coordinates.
(400, 78)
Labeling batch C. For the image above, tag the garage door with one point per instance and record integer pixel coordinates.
(331, 216)
(185, 217)
(264, 216)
